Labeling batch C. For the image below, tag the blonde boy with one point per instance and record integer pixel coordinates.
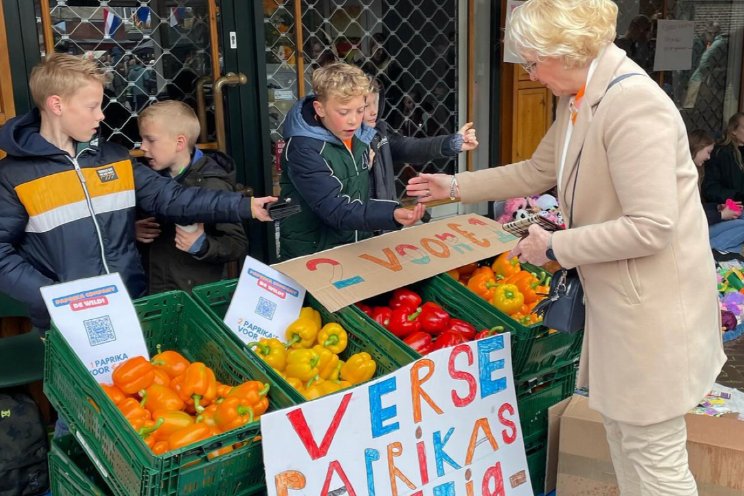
(325, 166)
(181, 257)
(67, 200)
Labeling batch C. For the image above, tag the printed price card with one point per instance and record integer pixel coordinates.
(264, 304)
(97, 318)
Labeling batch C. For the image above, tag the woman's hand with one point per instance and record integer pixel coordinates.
(729, 214)
(430, 187)
(258, 210)
(532, 248)
(407, 217)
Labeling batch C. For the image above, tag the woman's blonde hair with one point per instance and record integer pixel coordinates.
(62, 75)
(340, 80)
(728, 137)
(574, 30)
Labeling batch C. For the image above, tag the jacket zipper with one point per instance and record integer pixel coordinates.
(84, 184)
(356, 232)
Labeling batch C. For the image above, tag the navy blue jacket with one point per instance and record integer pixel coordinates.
(64, 218)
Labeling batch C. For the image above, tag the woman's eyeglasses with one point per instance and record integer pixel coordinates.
(529, 67)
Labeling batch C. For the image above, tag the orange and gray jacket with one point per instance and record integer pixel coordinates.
(64, 218)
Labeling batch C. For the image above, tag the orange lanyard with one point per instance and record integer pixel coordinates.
(576, 103)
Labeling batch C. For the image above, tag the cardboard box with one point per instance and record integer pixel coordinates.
(715, 447)
(345, 275)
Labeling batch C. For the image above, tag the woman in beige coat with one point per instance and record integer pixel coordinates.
(639, 238)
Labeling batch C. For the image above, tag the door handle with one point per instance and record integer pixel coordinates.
(229, 79)
(201, 107)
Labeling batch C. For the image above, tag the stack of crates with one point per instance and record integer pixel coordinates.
(544, 363)
(118, 461)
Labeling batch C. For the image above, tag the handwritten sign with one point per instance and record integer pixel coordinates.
(445, 425)
(674, 45)
(347, 274)
(97, 318)
(265, 302)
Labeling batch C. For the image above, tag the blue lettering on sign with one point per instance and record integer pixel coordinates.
(345, 283)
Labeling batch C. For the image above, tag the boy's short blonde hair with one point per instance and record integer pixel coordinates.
(176, 116)
(340, 80)
(62, 75)
(574, 30)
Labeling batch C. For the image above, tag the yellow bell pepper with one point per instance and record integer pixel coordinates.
(359, 368)
(312, 314)
(296, 383)
(333, 337)
(508, 299)
(302, 364)
(272, 351)
(328, 362)
(301, 333)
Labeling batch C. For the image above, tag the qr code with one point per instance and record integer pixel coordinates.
(100, 330)
(265, 308)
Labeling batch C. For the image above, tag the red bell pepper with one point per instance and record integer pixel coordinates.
(382, 315)
(433, 318)
(467, 329)
(447, 339)
(420, 341)
(485, 333)
(365, 308)
(404, 321)
(404, 297)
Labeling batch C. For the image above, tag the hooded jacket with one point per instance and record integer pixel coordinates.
(332, 185)
(723, 177)
(393, 149)
(64, 218)
(168, 267)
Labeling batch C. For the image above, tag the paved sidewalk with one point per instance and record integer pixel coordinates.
(732, 374)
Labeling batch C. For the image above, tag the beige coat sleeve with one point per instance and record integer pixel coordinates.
(528, 177)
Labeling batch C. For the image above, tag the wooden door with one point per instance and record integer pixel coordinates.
(7, 107)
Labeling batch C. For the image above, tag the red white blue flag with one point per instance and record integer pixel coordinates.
(111, 23)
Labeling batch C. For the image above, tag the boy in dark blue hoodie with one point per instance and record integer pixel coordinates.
(325, 165)
(67, 201)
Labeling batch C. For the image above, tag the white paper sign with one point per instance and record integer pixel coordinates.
(264, 304)
(509, 55)
(97, 318)
(674, 45)
(446, 424)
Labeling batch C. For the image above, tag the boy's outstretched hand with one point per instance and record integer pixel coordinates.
(407, 217)
(258, 207)
(146, 230)
(469, 141)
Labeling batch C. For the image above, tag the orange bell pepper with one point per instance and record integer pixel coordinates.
(160, 447)
(114, 393)
(172, 362)
(158, 397)
(161, 377)
(172, 420)
(134, 375)
(255, 393)
(234, 412)
(207, 416)
(198, 387)
(219, 452)
(134, 413)
(189, 435)
(527, 284)
(483, 284)
(505, 266)
(223, 390)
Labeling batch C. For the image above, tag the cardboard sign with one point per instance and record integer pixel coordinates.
(97, 318)
(446, 424)
(674, 45)
(264, 304)
(347, 274)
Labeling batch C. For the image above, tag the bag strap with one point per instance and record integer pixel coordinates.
(578, 159)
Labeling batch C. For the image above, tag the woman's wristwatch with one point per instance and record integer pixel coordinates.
(549, 252)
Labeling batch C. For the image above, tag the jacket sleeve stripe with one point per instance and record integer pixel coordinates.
(58, 190)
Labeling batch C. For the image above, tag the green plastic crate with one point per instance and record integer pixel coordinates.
(389, 352)
(71, 472)
(174, 321)
(535, 397)
(536, 458)
(535, 349)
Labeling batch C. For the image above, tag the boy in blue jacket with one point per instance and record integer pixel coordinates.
(325, 165)
(67, 200)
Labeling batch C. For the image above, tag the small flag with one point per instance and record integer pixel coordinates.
(111, 23)
(176, 15)
(143, 17)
